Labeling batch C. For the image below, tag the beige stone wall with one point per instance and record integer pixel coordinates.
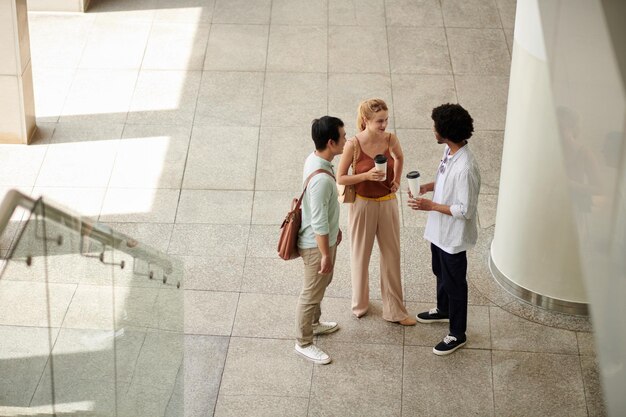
(17, 105)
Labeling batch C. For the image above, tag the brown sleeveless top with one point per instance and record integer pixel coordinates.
(372, 189)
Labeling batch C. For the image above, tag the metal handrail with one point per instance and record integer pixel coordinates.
(99, 232)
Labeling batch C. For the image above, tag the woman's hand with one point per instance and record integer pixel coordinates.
(395, 186)
(374, 175)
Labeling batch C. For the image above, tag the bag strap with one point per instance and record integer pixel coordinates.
(306, 184)
(354, 146)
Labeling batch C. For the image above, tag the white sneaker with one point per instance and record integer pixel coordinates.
(325, 327)
(314, 354)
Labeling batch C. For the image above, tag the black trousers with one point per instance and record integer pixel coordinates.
(451, 273)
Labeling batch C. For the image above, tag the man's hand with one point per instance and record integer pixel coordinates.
(422, 204)
(339, 237)
(326, 265)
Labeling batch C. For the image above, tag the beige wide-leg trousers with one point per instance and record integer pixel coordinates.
(380, 219)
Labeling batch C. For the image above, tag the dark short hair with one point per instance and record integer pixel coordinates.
(453, 122)
(324, 128)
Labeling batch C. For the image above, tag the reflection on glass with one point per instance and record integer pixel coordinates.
(91, 322)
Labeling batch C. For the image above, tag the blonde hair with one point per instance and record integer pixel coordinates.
(367, 109)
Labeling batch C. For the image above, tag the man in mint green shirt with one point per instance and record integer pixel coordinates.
(319, 236)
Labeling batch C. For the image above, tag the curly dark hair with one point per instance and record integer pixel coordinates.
(453, 122)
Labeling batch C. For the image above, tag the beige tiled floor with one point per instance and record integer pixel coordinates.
(185, 123)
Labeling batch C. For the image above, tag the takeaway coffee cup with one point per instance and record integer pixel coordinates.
(381, 164)
(414, 183)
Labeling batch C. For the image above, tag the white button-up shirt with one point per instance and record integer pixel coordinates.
(320, 207)
(457, 184)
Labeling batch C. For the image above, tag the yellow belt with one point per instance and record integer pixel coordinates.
(383, 198)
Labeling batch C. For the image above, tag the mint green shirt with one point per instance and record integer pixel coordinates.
(320, 207)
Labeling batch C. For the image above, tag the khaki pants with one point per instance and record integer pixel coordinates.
(381, 220)
(308, 310)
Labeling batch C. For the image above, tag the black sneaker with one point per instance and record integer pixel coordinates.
(448, 345)
(432, 316)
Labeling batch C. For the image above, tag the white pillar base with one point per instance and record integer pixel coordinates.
(536, 299)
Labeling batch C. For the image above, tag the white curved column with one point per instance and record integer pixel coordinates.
(535, 250)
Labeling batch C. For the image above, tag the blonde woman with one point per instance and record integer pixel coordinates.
(374, 214)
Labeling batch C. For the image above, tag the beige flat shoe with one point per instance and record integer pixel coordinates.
(409, 321)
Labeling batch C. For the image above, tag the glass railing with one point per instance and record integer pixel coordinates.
(91, 320)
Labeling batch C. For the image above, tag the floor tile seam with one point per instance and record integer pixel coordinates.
(238, 23)
(586, 392)
(135, 362)
(471, 304)
(362, 343)
(419, 72)
(465, 348)
(30, 326)
(117, 150)
(43, 159)
(128, 188)
(299, 25)
(143, 57)
(327, 66)
(204, 188)
(265, 395)
(392, 103)
(248, 71)
(78, 66)
(476, 132)
(196, 290)
(49, 363)
(50, 358)
(454, 81)
(20, 224)
(501, 74)
(293, 338)
(104, 284)
(258, 144)
(204, 55)
(478, 28)
(165, 124)
(509, 48)
(192, 126)
(166, 70)
(184, 167)
(74, 71)
(234, 316)
(533, 352)
(416, 26)
(493, 387)
(221, 375)
(291, 294)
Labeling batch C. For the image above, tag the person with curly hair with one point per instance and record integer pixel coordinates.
(374, 213)
(451, 227)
